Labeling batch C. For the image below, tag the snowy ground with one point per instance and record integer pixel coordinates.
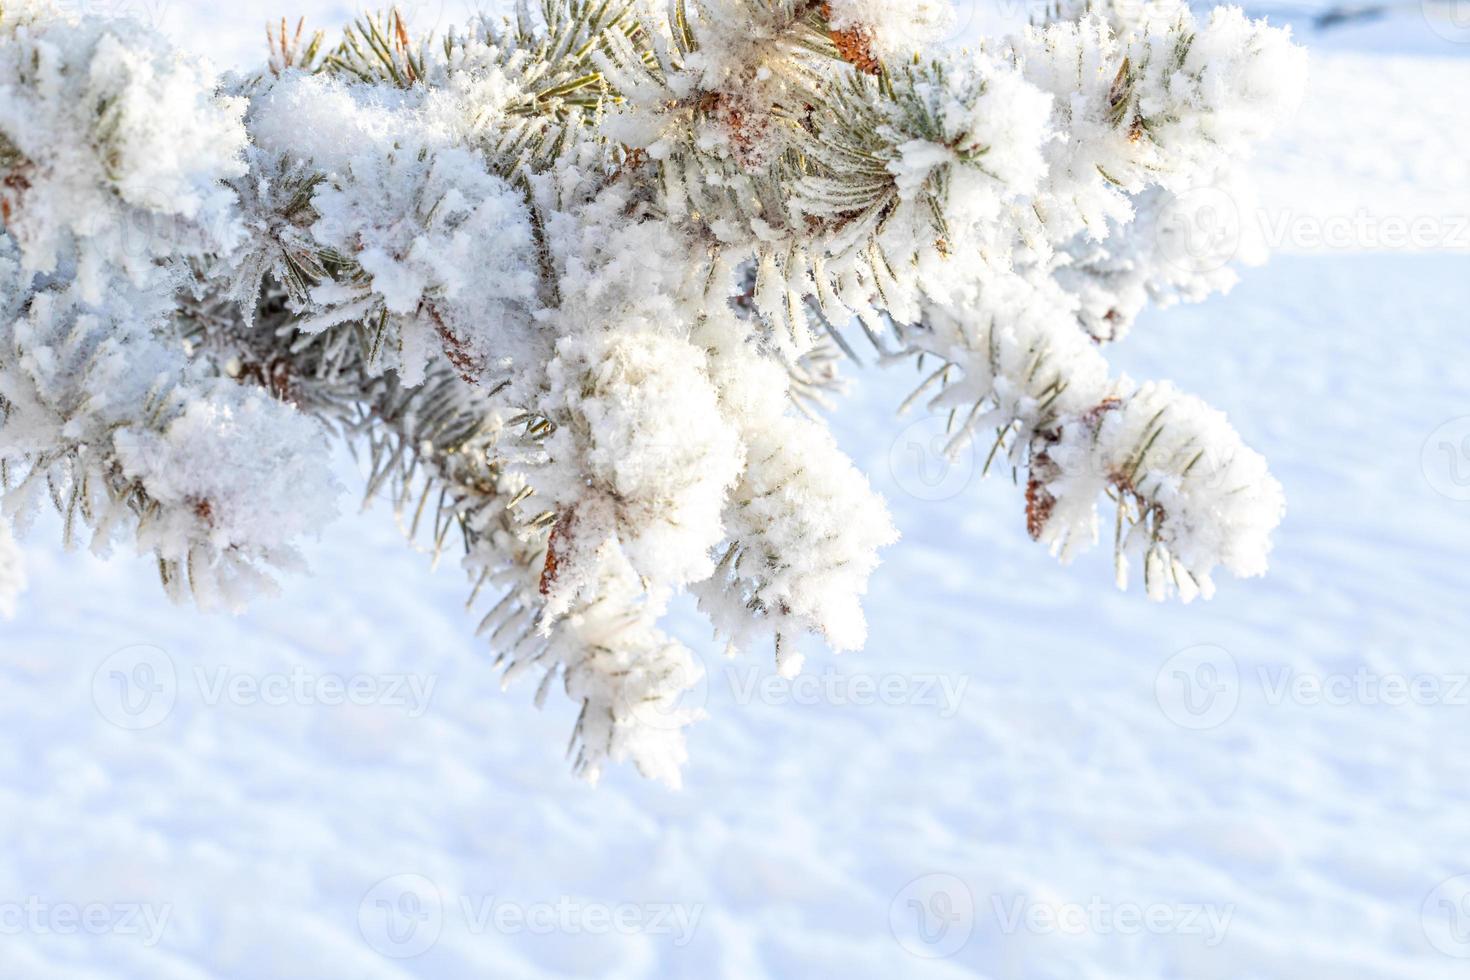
(1027, 775)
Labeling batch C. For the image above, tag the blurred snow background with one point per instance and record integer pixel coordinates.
(1026, 775)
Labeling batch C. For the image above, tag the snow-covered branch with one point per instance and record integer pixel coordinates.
(571, 281)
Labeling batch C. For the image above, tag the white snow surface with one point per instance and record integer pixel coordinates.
(1059, 781)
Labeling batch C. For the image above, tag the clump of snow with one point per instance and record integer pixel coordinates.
(569, 277)
(229, 472)
(109, 412)
(645, 423)
(1141, 104)
(118, 150)
(436, 243)
(1203, 499)
(17, 13)
(894, 28)
(445, 247)
(804, 536)
(977, 122)
(630, 678)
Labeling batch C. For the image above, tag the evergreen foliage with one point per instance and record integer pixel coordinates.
(574, 283)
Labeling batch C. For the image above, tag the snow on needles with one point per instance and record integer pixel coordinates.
(119, 148)
(562, 280)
